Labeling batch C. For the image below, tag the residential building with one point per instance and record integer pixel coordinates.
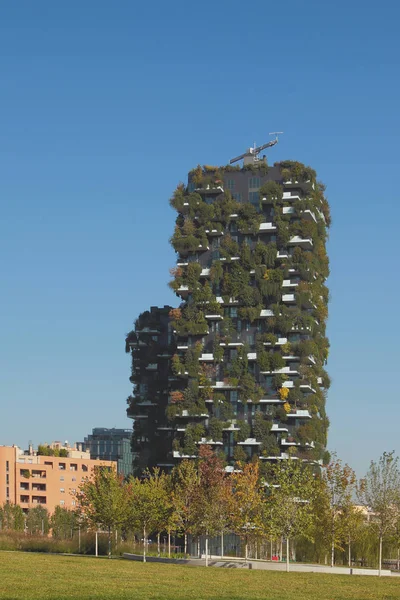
(111, 444)
(240, 363)
(29, 479)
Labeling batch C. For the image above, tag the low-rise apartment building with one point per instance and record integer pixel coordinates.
(29, 479)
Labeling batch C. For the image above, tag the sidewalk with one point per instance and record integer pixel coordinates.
(239, 563)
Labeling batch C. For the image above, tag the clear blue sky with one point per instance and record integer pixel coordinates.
(105, 106)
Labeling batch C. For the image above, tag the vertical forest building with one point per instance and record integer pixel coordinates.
(240, 363)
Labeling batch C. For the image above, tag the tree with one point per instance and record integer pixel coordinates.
(289, 506)
(247, 503)
(104, 501)
(12, 517)
(379, 491)
(185, 486)
(352, 524)
(338, 487)
(63, 522)
(211, 501)
(149, 504)
(37, 520)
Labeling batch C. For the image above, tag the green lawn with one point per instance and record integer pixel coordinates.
(28, 576)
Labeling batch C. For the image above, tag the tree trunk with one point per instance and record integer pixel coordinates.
(333, 545)
(169, 543)
(380, 556)
(97, 544)
(349, 552)
(398, 559)
(79, 539)
(185, 549)
(222, 544)
(109, 542)
(144, 544)
(206, 550)
(270, 558)
(246, 551)
(198, 548)
(287, 555)
(116, 538)
(281, 550)
(158, 544)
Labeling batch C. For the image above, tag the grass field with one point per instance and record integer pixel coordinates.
(26, 576)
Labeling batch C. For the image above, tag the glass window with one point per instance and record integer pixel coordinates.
(230, 184)
(233, 396)
(62, 490)
(254, 182)
(237, 196)
(254, 198)
(191, 187)
(62, 502)
(233, 311)
(7, 465)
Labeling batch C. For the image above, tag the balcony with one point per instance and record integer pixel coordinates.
(177, 454)
(289, 298)
(39, 500)
(308, 215)
(282, 254)
(286, 370)
(290, 197)
(207, 357)
(205, 272)
(277, 427)
(249, 442)
(288, 210)
(185, 414)
(208, 441)
(224, 385)
(213, 232)
(282, 456)
(267, 227)
(265, 312)
(297, 413)
(288, 283)
(281, 341)
(183, 291)
(305, 243)
(220, 300)
(305, 186)
(152, 367)
(214, 317)
(213, 190)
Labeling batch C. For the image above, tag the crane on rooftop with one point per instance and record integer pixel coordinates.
(251, 156)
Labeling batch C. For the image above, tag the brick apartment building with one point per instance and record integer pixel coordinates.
(29, 479)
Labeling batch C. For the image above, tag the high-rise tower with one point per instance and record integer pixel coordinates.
(246, 348)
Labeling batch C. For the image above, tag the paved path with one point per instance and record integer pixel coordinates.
(235, 563)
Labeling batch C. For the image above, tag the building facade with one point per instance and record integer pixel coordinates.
(244, 353)
(29, 479)
(111, 444)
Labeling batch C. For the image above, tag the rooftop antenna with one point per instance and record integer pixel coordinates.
(251, 155)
